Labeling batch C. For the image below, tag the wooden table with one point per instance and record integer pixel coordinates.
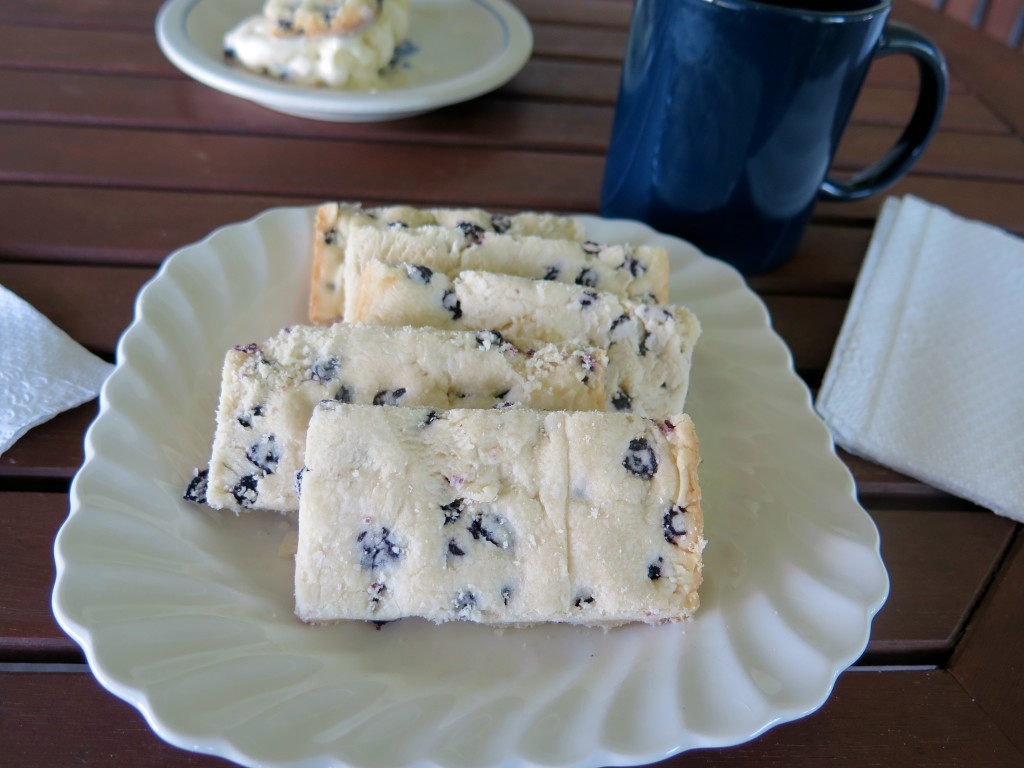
(110, 159)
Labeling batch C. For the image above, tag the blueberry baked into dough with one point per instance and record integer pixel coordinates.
(335, 222)
(650, 346)
(320, 17)
(498, 517)
(268, 392)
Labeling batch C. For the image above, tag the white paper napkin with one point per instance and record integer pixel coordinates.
(927, 376)
(43, 371)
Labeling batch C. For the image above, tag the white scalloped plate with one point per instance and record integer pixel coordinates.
(457, 50)
(187, 613)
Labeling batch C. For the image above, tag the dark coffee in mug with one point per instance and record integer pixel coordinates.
(730, 112)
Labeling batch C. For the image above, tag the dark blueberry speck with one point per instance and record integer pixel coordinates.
(245, 419)
(506, 595)
(552, 273)
(378, 548)
(265, 454)
(245, 491)
(385, 397)
(654, 570)
(230, 54)
(493, 529)
(324, 369)
(635, 267)
(589, 246)
(454, 548)
(583, 598)
(587, 277)
(621, 401)
(377, 590)
(451, 302)
(588, 299)
(419, 273)
(464, 601)
(196, 490)
(642, 348)
(640, 459)
(344, 394)
(488, 339)
(452, 511)
(298, 481)
(674, 523)
(430, 418)
(618, 321)
(330, 237)
(474, 232)
(398, 225)
(501, 223)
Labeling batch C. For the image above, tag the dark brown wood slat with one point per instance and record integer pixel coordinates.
(134, 52)
(146, 159)
(995, 202)
(138, 227)
(28, 631)
(139, 14)
(948, 155)
(93, 305)
(810, 326)
(125, 101)
(589, 43)
(964, 112)
(84, 50)
(995, 71)
(935, 586)
(51, 451)
(988, 663)
(869, 719)
(583, 13)
(135, 15)
(826, 263)
(137, 52)
(569, 81)
(315, 169)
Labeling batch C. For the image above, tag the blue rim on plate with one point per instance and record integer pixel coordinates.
(458, 50)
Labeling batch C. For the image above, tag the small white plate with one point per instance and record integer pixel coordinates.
(457, 50)
(187, 613)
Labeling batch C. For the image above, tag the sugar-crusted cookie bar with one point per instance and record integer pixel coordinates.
(333, 221)
(650, 346)
(636, 272)
(513, 517)
(320, 17)
(268, 392)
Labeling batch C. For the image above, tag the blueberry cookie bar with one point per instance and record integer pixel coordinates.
(356, 60)
(634, 272)
(650, 346)
(333, 221)
(499, 517)
(320, 17)
(268, 392)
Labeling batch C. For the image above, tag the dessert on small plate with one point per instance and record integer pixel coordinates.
(406, 57)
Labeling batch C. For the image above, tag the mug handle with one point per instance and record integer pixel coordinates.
(931, 99)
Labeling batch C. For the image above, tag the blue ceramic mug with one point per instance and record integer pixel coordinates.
(730, 112)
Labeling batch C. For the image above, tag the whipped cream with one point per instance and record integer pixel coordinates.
(353, 61)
